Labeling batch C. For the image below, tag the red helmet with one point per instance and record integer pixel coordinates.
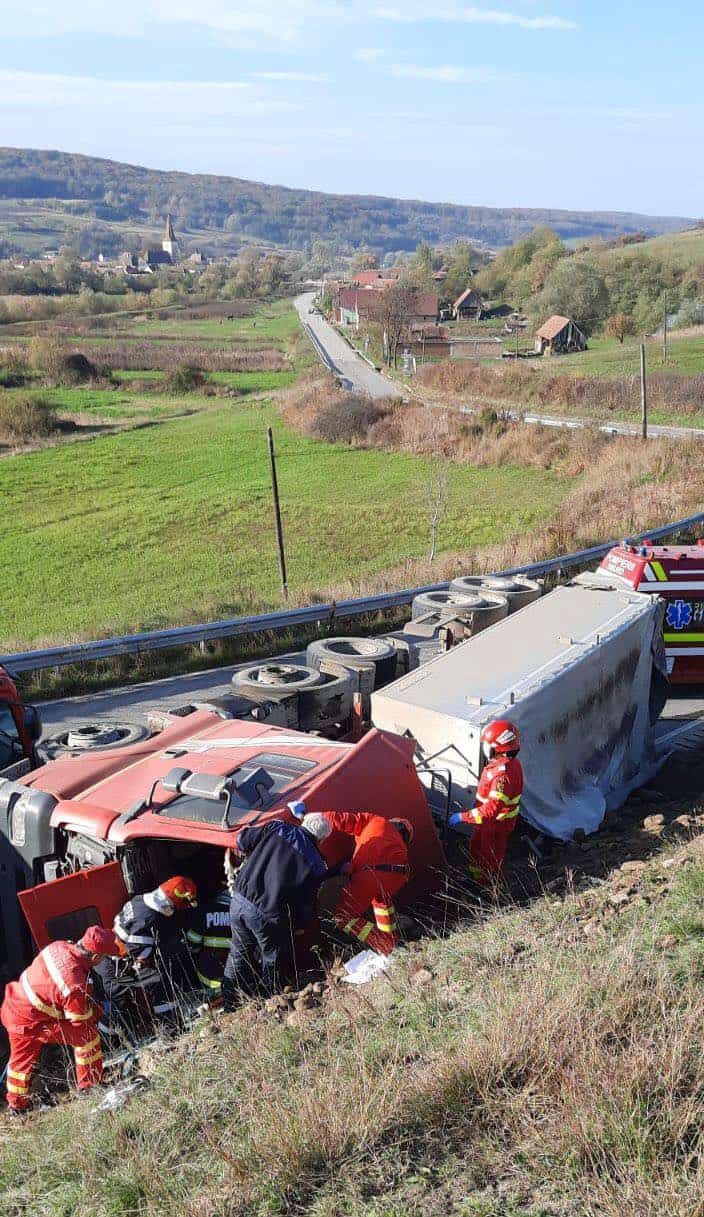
(500, 738)
(405, 828)
(180, 891)
(99, 941)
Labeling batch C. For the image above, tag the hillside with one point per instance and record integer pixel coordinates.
(46, 196)
(495, 1072)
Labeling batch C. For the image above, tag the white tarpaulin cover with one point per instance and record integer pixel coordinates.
(579, 672)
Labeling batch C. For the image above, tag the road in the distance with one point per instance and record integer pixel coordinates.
(354, 373)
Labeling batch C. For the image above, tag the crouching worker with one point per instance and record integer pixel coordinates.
(209, 937)
(378, 870)
(154, 946)
(273, 896)
(51, 1003)
(498, 803)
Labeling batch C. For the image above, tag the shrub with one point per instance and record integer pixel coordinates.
(24, 417)
(61, 367)
(14, 370)
(76, 369)
(346, 418)
(184, 379)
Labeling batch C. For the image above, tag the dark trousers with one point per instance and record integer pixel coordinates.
(258, 953)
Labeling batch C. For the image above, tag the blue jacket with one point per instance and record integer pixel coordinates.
(282, 871)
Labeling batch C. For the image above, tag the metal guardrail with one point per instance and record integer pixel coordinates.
(189, 635)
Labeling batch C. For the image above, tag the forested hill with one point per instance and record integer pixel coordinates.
(96, 192)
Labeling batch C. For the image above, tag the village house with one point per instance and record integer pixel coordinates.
(361, 305)
(375, 278)
(559, 336)
(468, 306)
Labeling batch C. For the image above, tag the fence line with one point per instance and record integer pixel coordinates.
(316, 614)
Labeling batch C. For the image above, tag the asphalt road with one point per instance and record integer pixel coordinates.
(355, 374)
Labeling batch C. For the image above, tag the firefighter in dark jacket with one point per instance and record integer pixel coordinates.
(152, 938)
(272, 895)
(209, 937)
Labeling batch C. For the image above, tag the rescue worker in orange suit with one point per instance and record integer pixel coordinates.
(51, 1003)
(377, 871)
(498, 802)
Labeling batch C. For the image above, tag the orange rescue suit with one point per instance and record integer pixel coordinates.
(379, 868)
(51, 1004)
(498, 803)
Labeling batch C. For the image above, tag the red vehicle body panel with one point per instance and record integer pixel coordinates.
(675, 572)
(375, 774)
(66, 907)
(9, 694)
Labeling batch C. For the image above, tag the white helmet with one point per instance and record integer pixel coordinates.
(317, 825)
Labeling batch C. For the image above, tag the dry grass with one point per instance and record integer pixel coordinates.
(141, 356)
(537, 1073)
(592, 396)
(624, 485)
(25, 417)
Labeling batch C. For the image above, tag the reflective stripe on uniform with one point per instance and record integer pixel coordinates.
(508, 815)
(209, 984)
(17, 1083)
(218, 944)
(196, 939)
(74, 1017)
(385, 917)
(359, 928)
(18, 1077)
(13, 1088)
(47, 958)
(50, 1011)
(85, 1052)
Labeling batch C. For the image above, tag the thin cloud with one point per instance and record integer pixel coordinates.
(474, 16)
(309, 77)
(368, 54)
(444, 74)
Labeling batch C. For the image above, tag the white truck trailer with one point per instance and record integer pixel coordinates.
(582, 674)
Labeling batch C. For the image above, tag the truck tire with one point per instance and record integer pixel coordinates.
(442, 602)
(517, 589)
(92, 737)
(478, 610)
(274, 680)
(356, 654)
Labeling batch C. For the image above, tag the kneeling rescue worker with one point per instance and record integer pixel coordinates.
(153, 943)
(498, 802)
(378, 870)
(51, 1003)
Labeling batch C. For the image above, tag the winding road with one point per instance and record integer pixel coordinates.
(355, 374)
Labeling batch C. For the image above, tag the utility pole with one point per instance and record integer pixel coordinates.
(664, 336)
(277, 513)
(643, 394)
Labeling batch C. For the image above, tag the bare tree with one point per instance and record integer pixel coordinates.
(394, 311)
(437, 490)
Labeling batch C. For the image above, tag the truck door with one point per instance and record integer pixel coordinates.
(64, 908)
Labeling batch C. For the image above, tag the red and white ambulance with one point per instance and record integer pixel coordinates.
(675, 572)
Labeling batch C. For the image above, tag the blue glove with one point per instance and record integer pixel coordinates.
(456, 819)
(297, 808)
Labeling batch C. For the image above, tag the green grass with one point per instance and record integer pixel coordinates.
(174, 523)
(607, 357)
(111, 405)
(246, 382)
(274, 324)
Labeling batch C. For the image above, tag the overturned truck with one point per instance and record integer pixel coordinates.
(580, 670)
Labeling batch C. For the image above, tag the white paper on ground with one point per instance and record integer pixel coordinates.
(364, 967)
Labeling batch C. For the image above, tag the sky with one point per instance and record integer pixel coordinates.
(582, 104)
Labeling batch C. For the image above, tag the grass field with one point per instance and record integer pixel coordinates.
(174, 523)
(274, 323)
(607, 357)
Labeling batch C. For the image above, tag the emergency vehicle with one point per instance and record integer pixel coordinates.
(675, 572)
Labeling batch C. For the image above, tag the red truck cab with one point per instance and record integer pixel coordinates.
(675, 572)
(176, 801)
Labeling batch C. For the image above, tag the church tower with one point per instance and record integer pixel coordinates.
(169, 243)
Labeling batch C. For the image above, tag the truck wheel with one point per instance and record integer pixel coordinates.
(517, 589)
(444, 602)
(92, 737)
(272, 680)
(356, 654)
